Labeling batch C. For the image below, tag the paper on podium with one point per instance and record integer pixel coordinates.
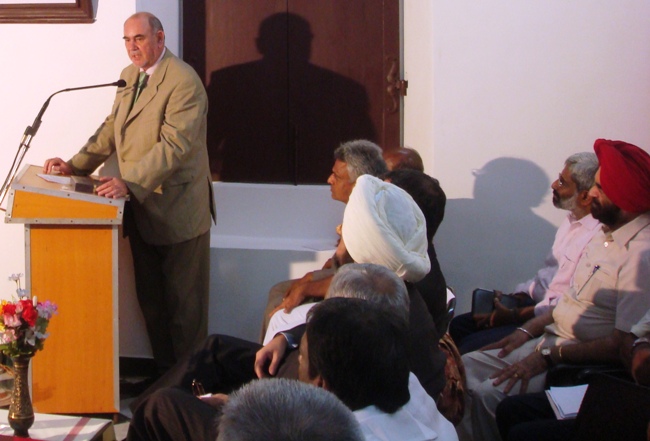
(57, 179)
(566, 401)
(82, 184)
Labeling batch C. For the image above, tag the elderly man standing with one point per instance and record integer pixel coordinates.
(538, 295)
(157, 128)
(607, 297)
(351, 160)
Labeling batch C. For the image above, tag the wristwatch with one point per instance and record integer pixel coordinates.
(546, 353)
(640, 341)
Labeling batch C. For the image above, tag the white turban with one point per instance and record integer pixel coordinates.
(383, 225)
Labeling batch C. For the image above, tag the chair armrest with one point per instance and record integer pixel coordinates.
(573, 374)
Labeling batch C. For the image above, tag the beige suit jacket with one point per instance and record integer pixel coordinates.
(161, 151)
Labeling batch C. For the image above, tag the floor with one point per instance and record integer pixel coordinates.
(122, 425)
(134, 377)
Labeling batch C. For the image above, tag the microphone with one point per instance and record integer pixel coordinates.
(30, 131)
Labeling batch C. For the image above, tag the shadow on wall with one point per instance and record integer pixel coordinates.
(495, 240)
(278, 119)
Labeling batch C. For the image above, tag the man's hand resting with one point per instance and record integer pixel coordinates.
(303, 288)
(273, 353)
(499, 317)
(508, 343)
(295, 295)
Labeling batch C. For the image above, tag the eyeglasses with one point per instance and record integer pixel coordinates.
(197, 388)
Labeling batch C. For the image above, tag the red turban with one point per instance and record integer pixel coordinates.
(624, 174)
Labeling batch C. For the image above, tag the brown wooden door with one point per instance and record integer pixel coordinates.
(288, 81)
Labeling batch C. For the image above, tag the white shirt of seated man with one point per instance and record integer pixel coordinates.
(417, 420)
(284, 321)
(383, 225)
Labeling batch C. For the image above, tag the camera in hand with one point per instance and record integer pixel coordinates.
(483, 301)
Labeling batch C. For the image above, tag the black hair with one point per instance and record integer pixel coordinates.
(360, 350)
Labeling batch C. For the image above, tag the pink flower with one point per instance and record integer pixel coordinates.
(8, 336)
(11, 320)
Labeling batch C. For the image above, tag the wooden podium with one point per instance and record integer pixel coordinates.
(71, 259)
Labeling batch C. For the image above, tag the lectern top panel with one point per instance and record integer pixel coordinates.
(34, 200)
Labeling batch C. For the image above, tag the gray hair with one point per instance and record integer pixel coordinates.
(362, 157)
(375, 283)
(583, 167)
(279, 409)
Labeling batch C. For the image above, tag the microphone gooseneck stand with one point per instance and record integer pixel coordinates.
(30, 132)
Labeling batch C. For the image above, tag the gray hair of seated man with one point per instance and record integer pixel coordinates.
(279, 409)
(371, 282)
(583, 167)
(362, 157)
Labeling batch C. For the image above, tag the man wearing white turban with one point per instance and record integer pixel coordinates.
(351, 160)
(383, 225)
(392, 225)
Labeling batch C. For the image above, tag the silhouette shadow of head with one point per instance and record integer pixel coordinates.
(272, 40)
(278, 119)
(496, 240)
(510, 181)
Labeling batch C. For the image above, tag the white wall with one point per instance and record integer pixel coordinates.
(37, 61)
(500, 82)
(533, 79)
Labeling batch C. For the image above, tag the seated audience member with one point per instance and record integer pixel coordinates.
(403, 158)
(427, 193)
(357, 350)
(431, 199)
(351, 160)
(173, 413)
(538, 295)
(607, 296)
(279, 410)
(383, 225)
(380, 210)
(529, 417)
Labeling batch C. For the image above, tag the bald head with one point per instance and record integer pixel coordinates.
(404, 158)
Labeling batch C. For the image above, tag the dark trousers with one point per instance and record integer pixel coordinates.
(469, 338)
(173, 289)
(529, 417)
(173, 414)
(222, 364)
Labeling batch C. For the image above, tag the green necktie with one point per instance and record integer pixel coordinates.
(142, 81)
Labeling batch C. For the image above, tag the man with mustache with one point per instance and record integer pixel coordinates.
(351, 160)
(536, 296)
(607, 296)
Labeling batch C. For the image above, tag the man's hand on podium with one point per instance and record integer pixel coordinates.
(112, 187)
(57, 166)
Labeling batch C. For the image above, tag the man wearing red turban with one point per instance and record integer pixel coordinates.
(608, 295)
(624, 175)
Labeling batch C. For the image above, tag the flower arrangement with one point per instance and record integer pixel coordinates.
(23, 323)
